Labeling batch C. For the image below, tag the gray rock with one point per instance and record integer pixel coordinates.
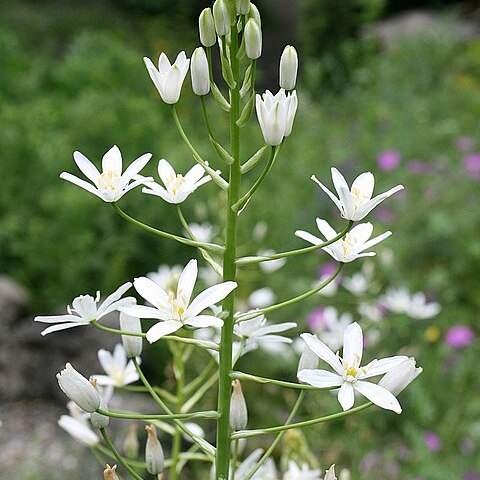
(13, 301)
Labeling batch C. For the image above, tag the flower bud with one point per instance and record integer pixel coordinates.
(255, 14)
(78, 389)
(330, 474)
(344, 474)
(199, 72)
(109, 473)
(243, 7)
(130, 444)
(288, 68)
(98, 420)
(253, 39)
(238, 408)
(206, 27)
(132, 345)
(221, 17)
(308, 360)
(397, 379)
(153, 452)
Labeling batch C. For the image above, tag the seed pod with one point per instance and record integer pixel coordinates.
(238, 408)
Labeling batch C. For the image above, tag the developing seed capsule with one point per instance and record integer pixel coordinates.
(253, 39)
(206, 27)
(288, 68)
(221, 17)
(199, 72)
(109, 473)
(154, 457)
(238, 408)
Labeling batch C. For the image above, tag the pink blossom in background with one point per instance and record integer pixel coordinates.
(418, 166)
(471, 165)
(432, 441)
(459, 336)
(316, 319)
(471, 475)
(389, 160)
(384, 214)
(327, 269)
(465, 143)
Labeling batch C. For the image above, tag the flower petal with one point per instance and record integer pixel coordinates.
(209, 297)
(379, 367)
(346, 396)
(308, 237)
(322, 351)
(335, 200)
(201, 321)
(152, 292)
(161, 329)
(326, 230)
(186, 281)
(61, 326)
(364, 183)
(141, 311)
(320, 378)
(378, 395)
(86, 166)
(352, 345)
(112, 160)
(113, 297)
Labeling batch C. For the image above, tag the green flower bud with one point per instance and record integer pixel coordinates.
(206, 27)
(221, 17)
(288, 68)
(253, 39)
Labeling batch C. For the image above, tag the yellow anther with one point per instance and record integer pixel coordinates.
(352, 372)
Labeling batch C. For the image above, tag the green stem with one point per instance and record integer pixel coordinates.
(293, 300)
(186, 241)
(200, 380)
(274, 444)
(280, 383)
(238, 206)
(215, 176)
(160, 391)
(293, 253)
(179, 372)
(172, 416)
(203, 444)
(120, 459)
(229, 274)
(205, 116)
(234, 458)
(306, 423)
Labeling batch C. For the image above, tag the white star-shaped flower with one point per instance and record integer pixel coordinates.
(348, 374)
(355, 203)
(348, 248)
(85, 309)
(119, 370)
(111, 184)
(295, 472)
(176, 186)
(176, 309)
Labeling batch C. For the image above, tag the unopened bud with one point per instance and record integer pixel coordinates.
(238, 408)
(153, 452)
(132, 345)
(253, 39)
(330, 474)
(109, 473)
(130, 444)
(78, 389)
(243, 6)
(308, 360)
(206, 27)
(288, 68)
(221, 17)
(255, 14)
(199, 72)
(99, 420)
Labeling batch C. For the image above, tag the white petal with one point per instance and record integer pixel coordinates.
(308, 237)
(161, 329)
(112, 160)
(374, 241)
(152, 292)
(146, 312)
(165, 171)
(134, 168)
(364, 183)
(186, 281)
(378, 395)
(81, 183)
(320, 378)
(194, 174)
(352, 345)
(322, 351)
(106, 360)
(204, 321)
(338, 181)
(209, 297)
(379, 367)
(61, 326)
(113, 297)
(328, 192)
(326, 230)
(57, 319)
(86, 167)
(346, 396)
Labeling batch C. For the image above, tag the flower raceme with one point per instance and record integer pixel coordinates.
(176, 186)
(350, 247)
(276, 114)
(168, 79)
(176, 309)
(111, 184)
(355, 203)
(84, 310)
(349, 375)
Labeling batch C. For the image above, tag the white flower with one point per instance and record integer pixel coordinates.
(288, 68)
(332, 327)
(348, 248)
(308, 359)
(328, 290)
(78, 389)
(263, 297)
(79, 430)
(357, 284)
(276, 114)
(420, 309)
(371, 311)
(84, 310)
(397, 380)
(355, 203)
(168, 79)
(176, 309)
(208, 275)
(295, 472)
(119, 371)
(266, 472)
(349, 375)
(199, 72)
(166, 276)
(270, 266)
(395, 299)
(202, 232)
(177, 187)
(111, 184)
(258, 334)
(330, 473)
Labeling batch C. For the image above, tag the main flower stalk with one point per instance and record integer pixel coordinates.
(229, 274)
